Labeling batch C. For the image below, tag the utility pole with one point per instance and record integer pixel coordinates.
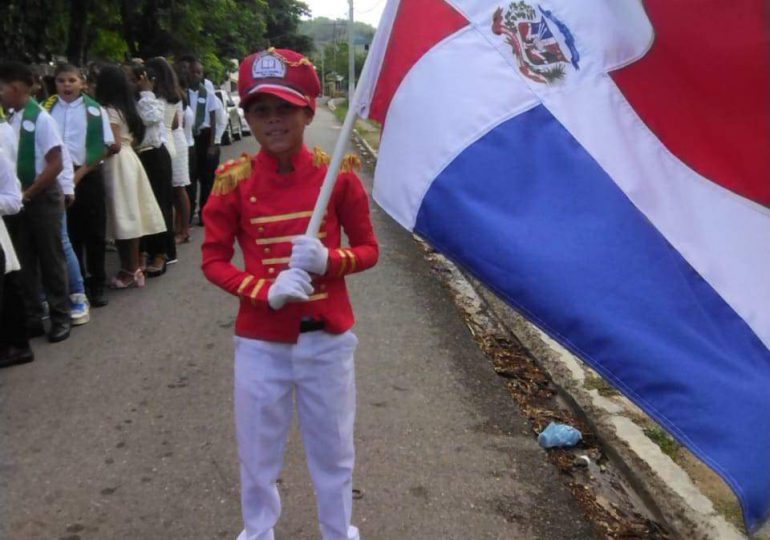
(351, 55)
(323, 71)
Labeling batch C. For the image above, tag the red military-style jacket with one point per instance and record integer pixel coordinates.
(264, 210)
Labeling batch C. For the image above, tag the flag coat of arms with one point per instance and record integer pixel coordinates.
(604, 166)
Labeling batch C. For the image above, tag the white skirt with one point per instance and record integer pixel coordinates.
(132, 210)
(180, 167)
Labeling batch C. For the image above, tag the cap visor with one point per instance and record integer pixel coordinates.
(286, 94)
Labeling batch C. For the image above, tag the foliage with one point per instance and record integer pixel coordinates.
(214, 30)
(324, 30)
(283, 19)
(30, 30)
(333, 58)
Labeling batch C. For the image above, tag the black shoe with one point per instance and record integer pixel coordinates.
(13, 356)
(35, 329)
(59, 332)
(96, 296)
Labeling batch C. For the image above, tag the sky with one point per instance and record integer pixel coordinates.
(368, 11)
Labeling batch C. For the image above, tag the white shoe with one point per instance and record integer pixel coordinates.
(79, 309)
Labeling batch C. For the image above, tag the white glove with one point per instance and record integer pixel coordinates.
(309, 254)
(292, 285)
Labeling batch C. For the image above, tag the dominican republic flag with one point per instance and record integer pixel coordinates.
(604, 166)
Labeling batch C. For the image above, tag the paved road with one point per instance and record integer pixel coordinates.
(125, 430)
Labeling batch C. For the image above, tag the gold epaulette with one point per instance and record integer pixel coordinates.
(231, 173)
(320, 158)
(350, 163)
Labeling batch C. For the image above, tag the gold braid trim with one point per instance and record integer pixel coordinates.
(320, 158)
(50, 102)
(301, 62)
(351, 163)
(230, 174)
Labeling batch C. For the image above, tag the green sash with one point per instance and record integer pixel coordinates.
(25, 167)
(200, 108)
(94, 127)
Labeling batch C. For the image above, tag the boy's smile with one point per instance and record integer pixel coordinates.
(278, 126)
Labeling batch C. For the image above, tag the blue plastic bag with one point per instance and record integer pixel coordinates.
(559, 435)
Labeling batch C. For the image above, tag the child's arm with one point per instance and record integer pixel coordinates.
(150, 108)
(111, 135)
(53, 166)
(222, 216)
(10, 189)
(115, 127)
(213, 133)
(353, 212)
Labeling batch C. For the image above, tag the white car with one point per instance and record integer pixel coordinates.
(235, 121)
(245, 129)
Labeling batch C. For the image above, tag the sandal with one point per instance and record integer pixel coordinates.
(157, 268)
(126, 279)
(182, 238)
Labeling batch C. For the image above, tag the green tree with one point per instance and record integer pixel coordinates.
(215, 30)
(283, 25)
(33, 30)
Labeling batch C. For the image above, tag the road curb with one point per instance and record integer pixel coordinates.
(663, 485)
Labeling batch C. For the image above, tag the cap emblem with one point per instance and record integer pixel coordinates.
(268, 66)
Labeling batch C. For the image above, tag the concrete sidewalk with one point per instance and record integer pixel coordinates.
(125, 430)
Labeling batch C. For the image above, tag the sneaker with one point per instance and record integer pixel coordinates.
(79, 309)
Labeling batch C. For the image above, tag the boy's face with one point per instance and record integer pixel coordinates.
(69, 85)
(196, 73)
(14, 95)
(278, 126)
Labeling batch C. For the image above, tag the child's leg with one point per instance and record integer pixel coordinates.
(326, 403)
(12, 331)
(44, 218)
(182, 205)
(74, 265)
(28, 279)
(128, 252)
(92, 218)
(263, 412)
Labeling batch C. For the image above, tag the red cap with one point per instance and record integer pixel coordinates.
(280, 72)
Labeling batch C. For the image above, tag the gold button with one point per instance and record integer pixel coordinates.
(261, 229)
(271, 270)
(253, 199)
(268, 250)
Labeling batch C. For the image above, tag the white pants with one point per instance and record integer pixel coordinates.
(318, 372)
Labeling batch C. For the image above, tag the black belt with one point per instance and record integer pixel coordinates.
(311, 325)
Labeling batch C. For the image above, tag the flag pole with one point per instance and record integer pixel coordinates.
(339, 152)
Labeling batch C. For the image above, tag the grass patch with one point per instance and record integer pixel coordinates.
(666, 443)
(594, 382)
(368, 129)
(731, 510)
(341, 110)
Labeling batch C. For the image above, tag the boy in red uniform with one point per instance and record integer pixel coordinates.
(293, 338)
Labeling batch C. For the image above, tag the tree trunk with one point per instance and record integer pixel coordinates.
(126, 14)
(79, 10)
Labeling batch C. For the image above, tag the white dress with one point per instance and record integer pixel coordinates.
(169, 113)
(180, 168)
(132, 211)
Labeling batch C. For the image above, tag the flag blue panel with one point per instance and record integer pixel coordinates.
(528, 212)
